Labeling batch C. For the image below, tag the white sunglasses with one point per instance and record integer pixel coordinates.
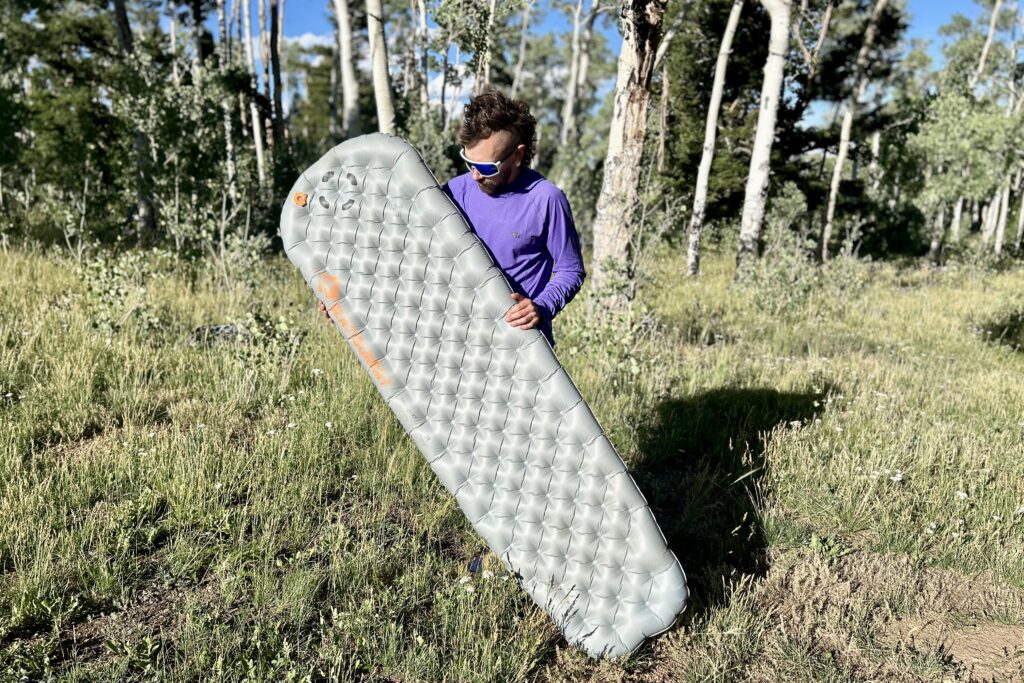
(486, 169)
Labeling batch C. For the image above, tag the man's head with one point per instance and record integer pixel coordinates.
(495, 128)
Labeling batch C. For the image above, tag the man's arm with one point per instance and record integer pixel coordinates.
(563, 243)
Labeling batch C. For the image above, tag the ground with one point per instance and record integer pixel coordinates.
(836, 456)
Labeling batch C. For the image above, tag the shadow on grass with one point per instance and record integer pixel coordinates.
(1007, 330)
(700, 459)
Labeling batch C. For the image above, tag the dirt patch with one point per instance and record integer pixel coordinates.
(983, 651)
(863, 617)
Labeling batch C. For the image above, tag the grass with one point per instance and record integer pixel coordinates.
(828, 457)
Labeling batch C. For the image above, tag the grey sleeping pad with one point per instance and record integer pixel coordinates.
(422, 304)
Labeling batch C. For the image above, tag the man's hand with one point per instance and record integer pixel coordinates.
(323, 309)
(524, 315)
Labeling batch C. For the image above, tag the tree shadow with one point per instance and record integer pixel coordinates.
(700, 460)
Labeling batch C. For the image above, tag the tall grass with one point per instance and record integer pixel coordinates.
(250, 510)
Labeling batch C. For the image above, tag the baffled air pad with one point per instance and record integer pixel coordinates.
(422, 304)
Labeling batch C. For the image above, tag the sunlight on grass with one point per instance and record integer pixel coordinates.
(251, 510)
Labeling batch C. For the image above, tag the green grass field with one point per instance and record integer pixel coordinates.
(837, 461)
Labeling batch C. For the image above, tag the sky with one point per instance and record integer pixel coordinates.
(926, 16)
(308, 22)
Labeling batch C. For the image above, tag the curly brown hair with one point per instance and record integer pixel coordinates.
(490, 112)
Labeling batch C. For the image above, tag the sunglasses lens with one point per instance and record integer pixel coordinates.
(485, 169)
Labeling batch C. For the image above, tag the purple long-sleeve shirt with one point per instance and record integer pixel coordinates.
(529, 231)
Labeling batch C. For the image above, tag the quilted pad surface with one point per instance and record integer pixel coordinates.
(420, 301)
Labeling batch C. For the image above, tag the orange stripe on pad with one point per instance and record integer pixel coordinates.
(329, 288)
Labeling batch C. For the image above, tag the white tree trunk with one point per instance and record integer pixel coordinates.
(852, 103)
(700, 193)
(268, 121)
(938, 237)
(579, 65)
(874, 168)
(1020, 224)
(991, 217)
(764, 136)
(229, 133)
(197, 40)
(619, 196)
(524, 27)
(172, 10)
(254, 116)
(954, 225)
(379, 61)
(424, 53)
(349, 83)
(483, 67)
(993, 19)
(1004, 209)
(569, 103)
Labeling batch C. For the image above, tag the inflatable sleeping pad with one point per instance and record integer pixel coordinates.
(420, 301)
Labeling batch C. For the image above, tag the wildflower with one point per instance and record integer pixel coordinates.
(470, 589)
(271, 432)
(465, 579)
(328, 424)
(897, 478)
(487, 574)
(317, 372)
(291, 425)
(201, 426)
(218, 486)
(961, 495)
(1020, 511)
(931, 528)
(874, 474)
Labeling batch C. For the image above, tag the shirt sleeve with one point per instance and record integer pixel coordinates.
(563, 244)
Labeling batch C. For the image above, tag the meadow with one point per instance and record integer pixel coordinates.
(836, 456)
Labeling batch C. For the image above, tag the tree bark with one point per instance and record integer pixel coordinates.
(524, 27)
(569, 103)
(852, 103)
(197, 39)
(229, 142)
(613, 224)
(874, 168)
(954, 225)
(172, 22)
(1004, 209)
(991, 218)
(579, 65)
(700, 194)
(379, 60)
(760, 158)
(349, 82)
(254, 116)
(268, 122)
(1020, 224)
(275, 69)
(993, 19)
(424, 56)
(145, 212)
(483, 67)
(938, 237)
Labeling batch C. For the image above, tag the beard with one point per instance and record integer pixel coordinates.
(489, 185)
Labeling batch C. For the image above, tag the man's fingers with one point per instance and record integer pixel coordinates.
(517, 296)
(529, 324)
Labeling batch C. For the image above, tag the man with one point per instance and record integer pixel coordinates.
(522, 218)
